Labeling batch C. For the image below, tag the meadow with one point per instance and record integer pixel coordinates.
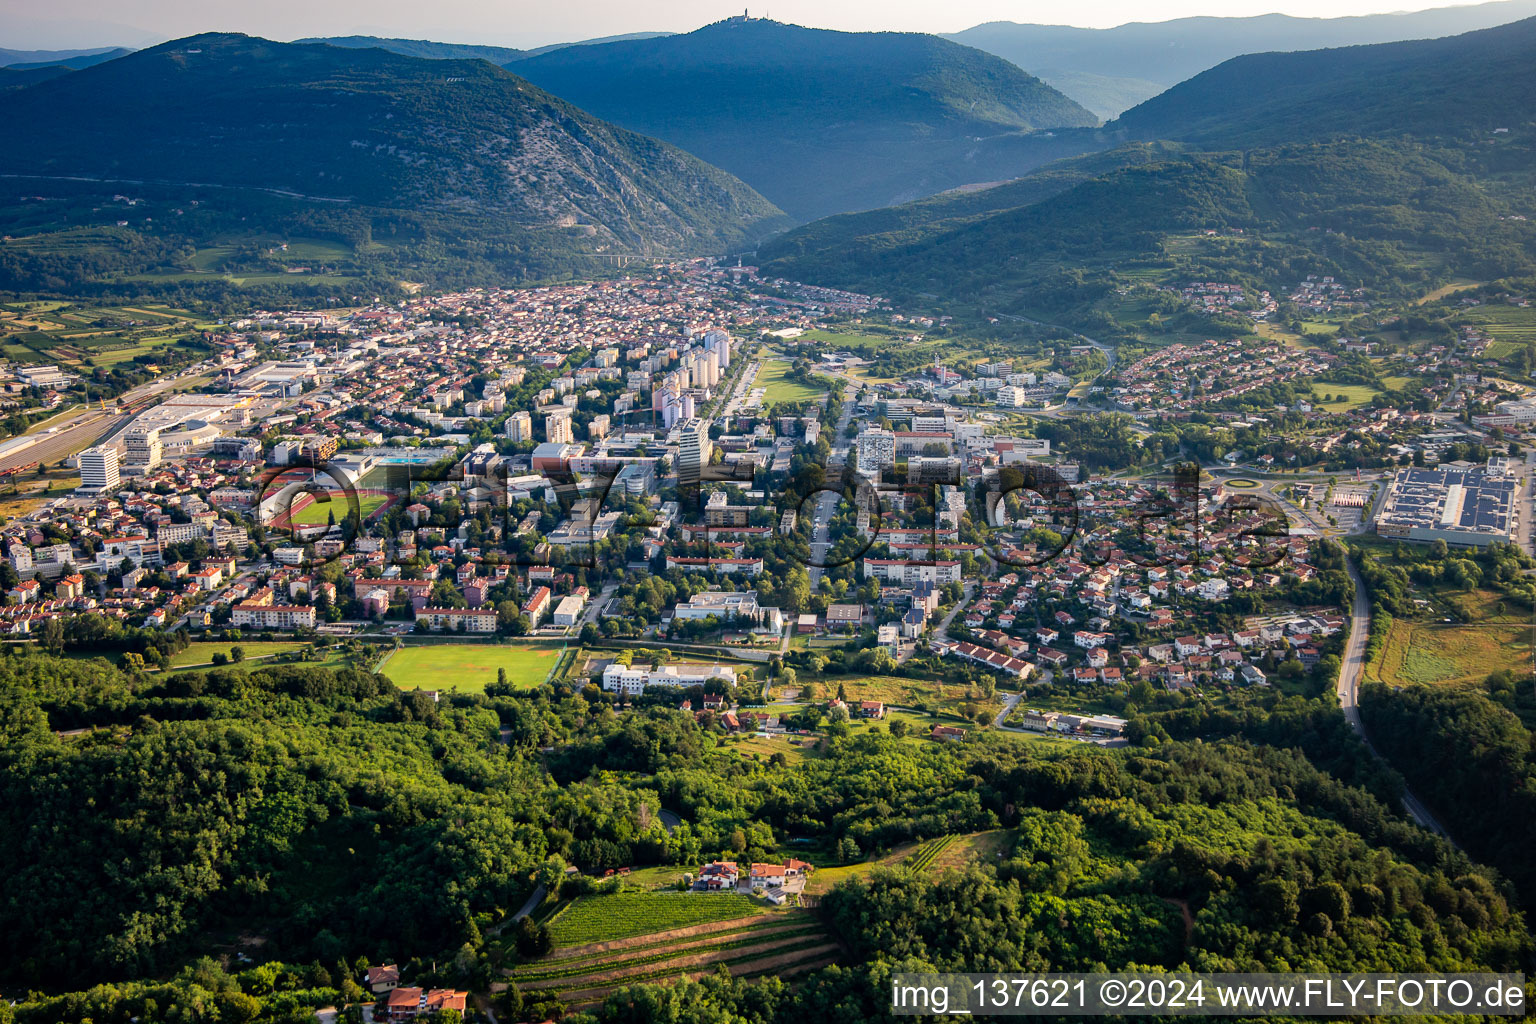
(202, 652)
(468, 668)
(1449, 654)
(771, 377)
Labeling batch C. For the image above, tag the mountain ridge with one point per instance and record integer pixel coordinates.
(1103, 68)
(440, 154)
(818, 121)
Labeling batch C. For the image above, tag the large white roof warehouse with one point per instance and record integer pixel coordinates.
(1459, 504)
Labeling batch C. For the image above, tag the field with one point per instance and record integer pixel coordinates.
(1510, 326)
(907, 693)
(201, 653)
(468, 668)
(1450, 654)
(91, 336)
(318, 513)
(957, 852)
(1346, 396)
(622, 915)
(655, 946)
(776, 389)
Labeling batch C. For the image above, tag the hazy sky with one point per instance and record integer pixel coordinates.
(524, 23)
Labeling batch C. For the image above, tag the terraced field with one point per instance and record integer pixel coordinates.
(783, 943)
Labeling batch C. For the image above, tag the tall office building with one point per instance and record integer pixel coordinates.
(557, 428)
(520, 426)
(694, 449)
(98, 468)
(877, 451)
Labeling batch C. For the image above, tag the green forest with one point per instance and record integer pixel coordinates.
(249, 838)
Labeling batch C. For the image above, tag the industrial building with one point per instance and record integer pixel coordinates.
(1457, 503)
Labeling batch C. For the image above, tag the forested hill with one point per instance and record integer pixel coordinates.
(373, 129)
(1471, 84)
(423, 48)
(1376, 207)
(316, 816)
(820, 122)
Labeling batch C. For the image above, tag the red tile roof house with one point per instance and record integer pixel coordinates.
(383, 979)
(408, 1003)
(768, 876)
(719, 874)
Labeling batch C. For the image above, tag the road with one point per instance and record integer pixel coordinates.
(1349, 693)
(942, 630)
(595, 607)
(534, 899)
(826, 504)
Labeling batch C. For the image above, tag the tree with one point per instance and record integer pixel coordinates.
(848, 850)
(53, 635)
(237, 654)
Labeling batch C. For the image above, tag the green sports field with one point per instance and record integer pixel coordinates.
(468, 668)
(318, 513)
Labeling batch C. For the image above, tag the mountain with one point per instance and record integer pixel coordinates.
(41, 58)
(1476, 82)
(1444, 184)
(430, 50)
(830, 246)
(1387, 215)
(459, 162)
(820, 122)
(424, 48)
(20, 78)
(1111, 70)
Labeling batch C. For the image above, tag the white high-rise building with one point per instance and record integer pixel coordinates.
(98, 468)
(520, 426)
(693, 450)
(719, 342)
(877, 451)
(557, 428)
(143, 447)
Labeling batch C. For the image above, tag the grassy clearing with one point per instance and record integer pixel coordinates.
(1343, 396)
(963, 851)
(794, 748)
(468, 668)
(1449, 654)
(908, 693)
(202, 652)
(623, 915)
(771, 377)
(824, 878)
(1458, 284)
